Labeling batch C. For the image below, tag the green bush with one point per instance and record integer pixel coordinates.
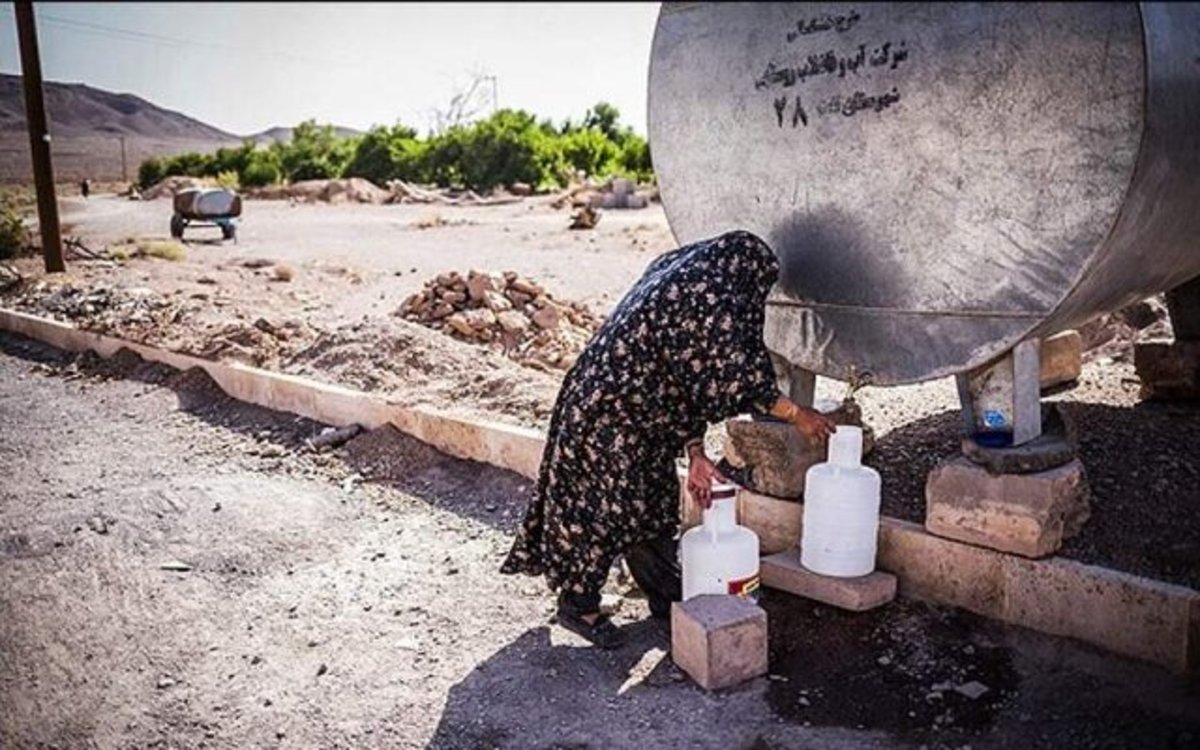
(314, 153)
(634, 159)
(590, 151)
(262, 168)
(389, 154)
(14, 235)
(151, 172)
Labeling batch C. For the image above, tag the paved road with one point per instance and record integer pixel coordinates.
(177, 571)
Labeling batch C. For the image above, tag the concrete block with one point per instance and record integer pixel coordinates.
(1026, 514)
(783, 571)
(941, 570)
(1061, 359)
(719, 641)
(1128, 614)
(1168, 370)
(776, 522)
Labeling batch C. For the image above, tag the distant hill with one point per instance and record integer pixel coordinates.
(77, 110)
(87, 126)
(283, 135)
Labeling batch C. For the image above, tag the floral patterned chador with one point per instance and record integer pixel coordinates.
(683, 349)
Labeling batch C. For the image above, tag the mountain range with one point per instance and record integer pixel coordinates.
(88, 124)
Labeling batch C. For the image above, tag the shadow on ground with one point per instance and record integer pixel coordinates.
(198, 394)
(908, 675)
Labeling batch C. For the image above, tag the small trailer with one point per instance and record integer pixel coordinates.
(206, 207)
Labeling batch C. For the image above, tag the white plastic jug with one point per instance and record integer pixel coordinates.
(718, 556)
(841, 510)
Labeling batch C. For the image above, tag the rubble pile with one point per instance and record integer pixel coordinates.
(617, 192)
(506, 313)
(169, 186)
(98, 307)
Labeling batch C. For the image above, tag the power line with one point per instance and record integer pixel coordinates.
(95, 29)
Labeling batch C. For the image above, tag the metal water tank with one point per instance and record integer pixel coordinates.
(940, 180)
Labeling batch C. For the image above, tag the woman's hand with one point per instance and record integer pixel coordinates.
(816, 426)
(701, 474)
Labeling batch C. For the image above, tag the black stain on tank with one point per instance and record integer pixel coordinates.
(829, 256)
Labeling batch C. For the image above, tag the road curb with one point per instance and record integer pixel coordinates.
(517, 449)
(1127, 614)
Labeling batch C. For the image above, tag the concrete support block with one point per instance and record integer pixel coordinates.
(1183, 305)
(776, 522)
(1027, 514)
(783, 571)
(1168, 370)
(941, 570)
(720, 641)
(1061, 359)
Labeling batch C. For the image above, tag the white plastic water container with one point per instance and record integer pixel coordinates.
(718, 556)
(841, 510)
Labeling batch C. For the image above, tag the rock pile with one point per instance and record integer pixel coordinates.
(507, 313)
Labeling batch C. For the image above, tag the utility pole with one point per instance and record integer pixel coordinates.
(495, 96)
(124, 169)
(39, 138)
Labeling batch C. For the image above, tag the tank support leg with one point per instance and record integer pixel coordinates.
(1170, 370)
(1005, 394)
(1183, 305)
(799, 384)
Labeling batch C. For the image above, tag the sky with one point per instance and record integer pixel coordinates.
(245, 67)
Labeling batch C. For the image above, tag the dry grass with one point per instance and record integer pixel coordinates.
(282, 273)
(148, 248)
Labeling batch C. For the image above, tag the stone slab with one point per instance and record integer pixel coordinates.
(1025, 514)
(1168, 370)
(1061, 359)
(783, 571)
(719, 641)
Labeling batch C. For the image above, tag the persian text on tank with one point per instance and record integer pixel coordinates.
(889, 55)
(838, 23)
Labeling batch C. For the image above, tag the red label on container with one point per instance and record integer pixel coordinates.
(747, 587)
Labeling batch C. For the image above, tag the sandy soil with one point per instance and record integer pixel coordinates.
(176, 570)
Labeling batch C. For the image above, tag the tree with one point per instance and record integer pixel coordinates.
(466, 104)
(604, 117)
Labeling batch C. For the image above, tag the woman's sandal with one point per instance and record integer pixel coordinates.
(601, 633)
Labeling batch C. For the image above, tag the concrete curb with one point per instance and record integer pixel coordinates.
(1127, 614)
(1124, 613)
(517, 449)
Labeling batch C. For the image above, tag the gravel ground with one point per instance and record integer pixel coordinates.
(1141, 459)
(177, 570)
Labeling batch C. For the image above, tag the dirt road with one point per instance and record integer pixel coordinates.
(177, 570)
(388, 251)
